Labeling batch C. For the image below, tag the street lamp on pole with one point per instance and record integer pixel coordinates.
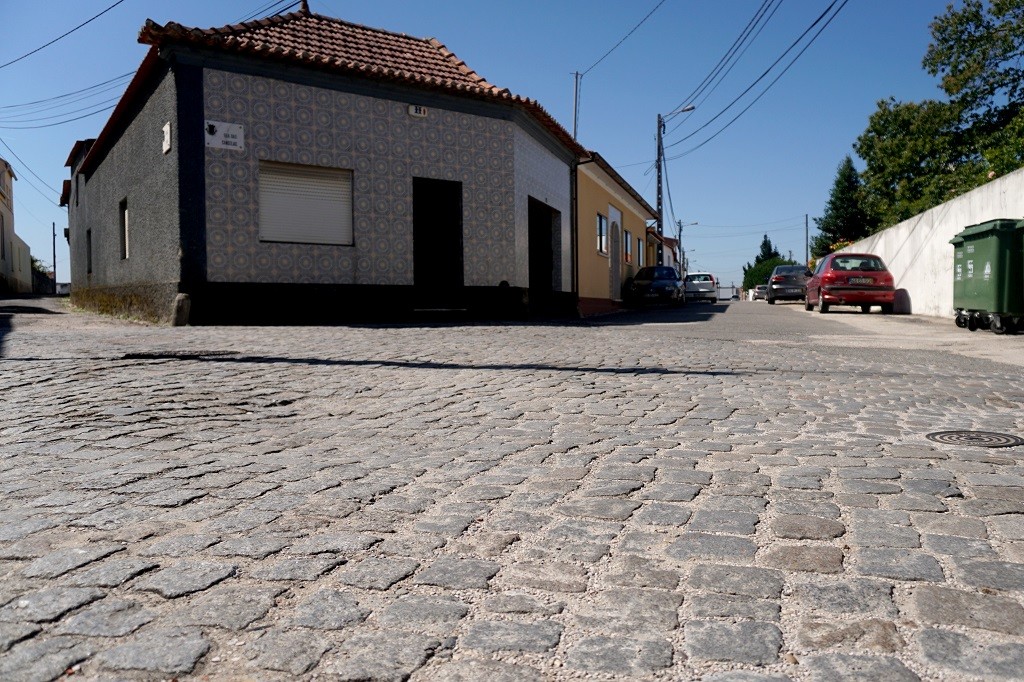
(679, 242)
(661, 160)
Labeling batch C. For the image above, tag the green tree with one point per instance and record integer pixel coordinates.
(764, 262)
(976, 52)
(845, 217)
(916, 156)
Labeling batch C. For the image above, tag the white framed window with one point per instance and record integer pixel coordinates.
(122, 210)
(305, 204)
(627, 240)
(602, 234)
(640, 252)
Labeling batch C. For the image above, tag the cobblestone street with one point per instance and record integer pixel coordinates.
(731, 492)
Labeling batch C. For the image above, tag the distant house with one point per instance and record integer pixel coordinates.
(614, 241)
(304, 163)
(15, 258)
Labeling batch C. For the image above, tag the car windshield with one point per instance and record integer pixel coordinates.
(858, 263)
(656, 273)
(699, 278)
(790, 270)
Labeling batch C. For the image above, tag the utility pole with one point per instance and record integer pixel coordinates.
(54, 229)
(661, 225)
(577, 77)
(807, 243)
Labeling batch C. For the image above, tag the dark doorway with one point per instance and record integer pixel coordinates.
(542, 255)
(437, 242)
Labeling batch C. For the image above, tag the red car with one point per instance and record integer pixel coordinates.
(858, 279)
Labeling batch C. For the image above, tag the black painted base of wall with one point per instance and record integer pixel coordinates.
(265, 304)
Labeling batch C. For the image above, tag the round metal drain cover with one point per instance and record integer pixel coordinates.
(981, 439)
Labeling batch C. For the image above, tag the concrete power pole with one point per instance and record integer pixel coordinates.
(807, 243)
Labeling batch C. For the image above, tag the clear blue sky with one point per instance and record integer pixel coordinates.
(761, 175)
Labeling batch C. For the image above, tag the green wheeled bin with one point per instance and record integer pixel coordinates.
(988, 276)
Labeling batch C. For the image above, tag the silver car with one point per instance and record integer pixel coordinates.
(701, 286)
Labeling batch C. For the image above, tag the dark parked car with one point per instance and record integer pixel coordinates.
(656, 284)
(859, 279)
(787, 283)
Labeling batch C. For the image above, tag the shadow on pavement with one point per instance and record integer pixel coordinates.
(413, 364)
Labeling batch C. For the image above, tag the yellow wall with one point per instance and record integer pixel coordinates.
(597, 192)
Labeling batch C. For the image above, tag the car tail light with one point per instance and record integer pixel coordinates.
(829, 277)
(778, 278)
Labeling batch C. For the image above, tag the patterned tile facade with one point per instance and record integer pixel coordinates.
(385, 148)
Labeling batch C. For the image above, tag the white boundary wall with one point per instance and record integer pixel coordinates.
(918, 251)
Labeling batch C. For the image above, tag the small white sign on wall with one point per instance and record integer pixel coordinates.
(167, 138)
(222, 135)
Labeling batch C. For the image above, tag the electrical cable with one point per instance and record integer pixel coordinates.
(57, 123)
(768, 70)
(68, 94)
(763, 92)
(270, 9)
(19, 119)
(25, 165)
(64, 35)
(624, 38)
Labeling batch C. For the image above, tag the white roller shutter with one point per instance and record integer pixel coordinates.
(305, 204)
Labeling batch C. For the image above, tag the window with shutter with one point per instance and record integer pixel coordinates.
(305, 204)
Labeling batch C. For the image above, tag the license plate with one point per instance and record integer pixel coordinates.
(861, 280)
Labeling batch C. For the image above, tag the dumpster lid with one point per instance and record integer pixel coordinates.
(1001, 225)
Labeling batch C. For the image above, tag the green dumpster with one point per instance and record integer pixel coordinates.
(988, 275)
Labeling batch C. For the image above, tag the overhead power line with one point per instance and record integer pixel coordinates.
(58, 123)
(269, 9)
(33, 173)
(62, 36)
(624, 38)
(123, 76)
(768, 87)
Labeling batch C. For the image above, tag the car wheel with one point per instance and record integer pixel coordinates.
(807, 304)
(822, 306)
(887, 308)
(865, 309)
(771, 301)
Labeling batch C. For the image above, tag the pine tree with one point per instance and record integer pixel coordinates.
(845, 217)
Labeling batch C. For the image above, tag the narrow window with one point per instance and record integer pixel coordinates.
(640, 259)
(88, 252)
(77, 177)
(602, 234)
(628, 241)
(3, 238)
(122, 211)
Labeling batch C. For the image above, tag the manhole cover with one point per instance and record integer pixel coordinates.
(981, 439)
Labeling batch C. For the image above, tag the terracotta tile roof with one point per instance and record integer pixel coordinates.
(323, 41)
(330, 44)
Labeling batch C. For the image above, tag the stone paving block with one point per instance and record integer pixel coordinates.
(963, 655)
(288, 651)
(227, 607)
(485, 544)
(802, 558)
(853, 596)
(48, 604)
(111, 573)
(854, 668)
(663, 514)
(389, 656)
(732, 607)
(620, 656)
(108, 618)
(1008, 527)
(185, 577)
(873, 634)
(959, 547)
(746, 642)
(670, 492)
(547, 576)
(754, 504)
(789, 506)
(706, 547)
(458, 574)
(609, 488)
(493, 636)
(329, 609)
(424, 613)
(514, 602)
(338, 543)
(373, 573)
(883, 535)
(740, 580)
(161, 650)
(472, 670)
(945, 606)
(41, 660)
(175, 497)
(599, 508)
(12, 633)
(873, 487)
(241, 521)
(898, 564)
(639, 571)
(945, 524)
(253, 546)
(806, 527)
(627, 611)
(18, 530)
(735, 523)
(179, 545)
(67, 559)
(996, 575)
(743, 676)
(296, 568)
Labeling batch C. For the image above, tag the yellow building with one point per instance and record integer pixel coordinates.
(15, 259)
(612, 238)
